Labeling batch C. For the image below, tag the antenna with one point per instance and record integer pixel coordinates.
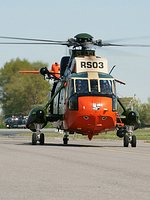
(112, 69)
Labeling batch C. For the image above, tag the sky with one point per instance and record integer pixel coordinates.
(125, 21)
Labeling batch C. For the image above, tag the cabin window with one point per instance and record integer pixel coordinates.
(105, 86)
(81, 86)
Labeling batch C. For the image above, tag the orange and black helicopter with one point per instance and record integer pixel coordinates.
(83, 97)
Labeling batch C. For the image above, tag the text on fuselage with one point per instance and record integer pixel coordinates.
(92, 65)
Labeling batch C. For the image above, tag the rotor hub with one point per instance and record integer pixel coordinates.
(83, 37)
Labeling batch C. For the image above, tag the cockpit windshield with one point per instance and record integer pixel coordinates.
(86, 86)
(106, 86)
(94, 85)
(81, 86)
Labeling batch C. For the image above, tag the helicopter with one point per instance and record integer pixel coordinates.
(83, 98)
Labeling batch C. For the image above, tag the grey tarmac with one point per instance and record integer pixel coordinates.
(81, 170)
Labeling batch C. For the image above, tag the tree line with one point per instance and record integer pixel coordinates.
(19, 93)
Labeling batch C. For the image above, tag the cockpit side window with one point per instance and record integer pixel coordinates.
(70, 88)
(81, 86)
(105, 86)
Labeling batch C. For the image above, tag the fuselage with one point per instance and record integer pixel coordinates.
(88, 102)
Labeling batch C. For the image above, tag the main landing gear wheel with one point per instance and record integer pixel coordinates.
(129, 140)
(42, 139)
(126, 141)
(127, 133)
(133, 141)
(38, 138)
(34, 139)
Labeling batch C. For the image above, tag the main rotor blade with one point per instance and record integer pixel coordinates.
(125, 45)
(37, 43)
(70, 42)
(127, 39)
(30, 39)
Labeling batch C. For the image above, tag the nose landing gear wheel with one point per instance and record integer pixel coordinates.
(65, 140)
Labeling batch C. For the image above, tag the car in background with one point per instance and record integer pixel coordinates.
(16, 122)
